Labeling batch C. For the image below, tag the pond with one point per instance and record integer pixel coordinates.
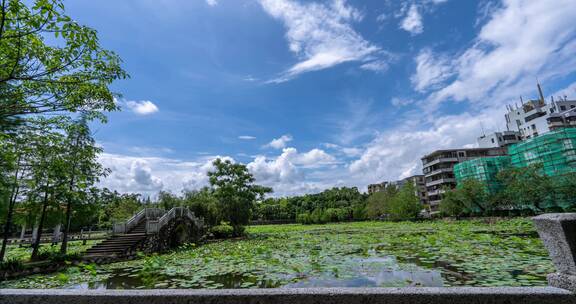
(368, 254)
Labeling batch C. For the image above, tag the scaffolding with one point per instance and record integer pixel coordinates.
(555, 151)
(484, 169)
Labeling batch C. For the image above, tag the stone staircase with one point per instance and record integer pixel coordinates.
(137, 232)
(119, 244)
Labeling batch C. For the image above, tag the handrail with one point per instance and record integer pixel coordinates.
(146, 213)
(154, 226)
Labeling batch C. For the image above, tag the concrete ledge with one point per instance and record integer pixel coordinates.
(415, 295)
(561, 280)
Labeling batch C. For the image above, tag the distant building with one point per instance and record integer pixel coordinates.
(530, 118)
(438, 169)
(417, 180)
(499, 139)
(372, 188)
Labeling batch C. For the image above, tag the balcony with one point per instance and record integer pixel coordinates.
(441, 181)
(438, 171)
(441, 160)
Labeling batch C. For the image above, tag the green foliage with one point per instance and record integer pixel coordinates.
(222, 231)
(405, 205)
(377, 203)
(235, 191)
(452, 203)
(341, 204)
(527, 188)
(71, 74)
(11, 265)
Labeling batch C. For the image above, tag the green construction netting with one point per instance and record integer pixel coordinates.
(483, 169)
(555, 150)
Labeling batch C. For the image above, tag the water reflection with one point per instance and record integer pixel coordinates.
(354, 272)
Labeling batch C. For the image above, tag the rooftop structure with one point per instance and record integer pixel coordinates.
(438, 169)
(499, 139)
(530, 118)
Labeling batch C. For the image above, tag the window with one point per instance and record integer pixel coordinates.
(461, 154)
(572, 106)
(492, 140)
(533, 127)
(562, 108)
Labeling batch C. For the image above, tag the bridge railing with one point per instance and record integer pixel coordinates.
(154, 226)
(146, 213)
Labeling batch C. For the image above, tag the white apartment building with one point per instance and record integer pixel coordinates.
(499, 139)
(530, 118)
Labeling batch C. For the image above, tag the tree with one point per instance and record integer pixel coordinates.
(82, 169)
(376, 205)
(452, 203)
(236, 192)
(474, 196)
(405, 204)
(48, 171)
(527, 187)
(73, 74)
(204, 204)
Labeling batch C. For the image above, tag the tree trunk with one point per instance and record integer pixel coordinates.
(10, 215)
(64, 246)
(36, 244)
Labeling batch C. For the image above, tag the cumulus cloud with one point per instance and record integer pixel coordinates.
(397, 153)
(412, 22)
(522, 40)
(246, 137)
(212, 2)
(279, 143)
(286, 173)
(148, 175)
(320, 34)
(144, 107)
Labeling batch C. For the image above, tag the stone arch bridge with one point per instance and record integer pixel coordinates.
(150, 230)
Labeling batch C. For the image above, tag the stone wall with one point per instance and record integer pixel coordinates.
(413, 295)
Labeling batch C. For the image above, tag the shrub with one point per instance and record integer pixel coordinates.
(222, 231)
(303, 218)
(13, 264)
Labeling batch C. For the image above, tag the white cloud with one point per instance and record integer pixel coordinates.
(287, 173)
(279, 143)
(320, 34)
(246, 137)
(431, 70)
(397, 153)
(522, 40)
(144, 107)
(401, 102)
(148, 175)
(376, 66)
(413, 21)
(212, 2)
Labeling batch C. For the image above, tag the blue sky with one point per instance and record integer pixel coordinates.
(315, 94)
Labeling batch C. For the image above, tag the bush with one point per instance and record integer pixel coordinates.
(303, 218)
(222, 231)
(57, 257)
(13, 264)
